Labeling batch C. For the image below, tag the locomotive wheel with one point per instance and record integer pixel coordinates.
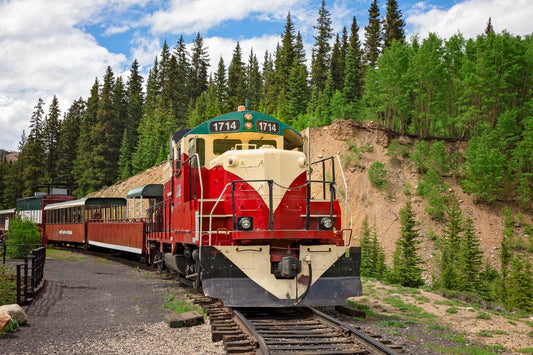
(197, 282)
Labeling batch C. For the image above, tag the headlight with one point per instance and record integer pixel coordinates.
(245, 223)
(326, 223)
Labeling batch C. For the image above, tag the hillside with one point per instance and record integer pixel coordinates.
(380, 206)
(10, 156)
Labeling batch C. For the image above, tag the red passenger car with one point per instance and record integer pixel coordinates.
(96, 221)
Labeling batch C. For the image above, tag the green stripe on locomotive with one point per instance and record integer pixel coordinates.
(237, 122)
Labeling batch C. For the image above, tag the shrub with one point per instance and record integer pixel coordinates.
(22, 231)
(378, 174)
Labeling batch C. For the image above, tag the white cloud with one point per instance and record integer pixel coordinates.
(223, 47)
(43, 53)
(190, 16)
(470, 18)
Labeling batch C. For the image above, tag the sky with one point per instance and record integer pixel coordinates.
(59, 47)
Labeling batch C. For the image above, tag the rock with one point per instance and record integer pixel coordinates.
(5, 319)
(187, 319)
(16, 312)
(405, 140)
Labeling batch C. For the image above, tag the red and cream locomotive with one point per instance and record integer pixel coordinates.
(238, 217)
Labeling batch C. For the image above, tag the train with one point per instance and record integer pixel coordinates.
(243, 214)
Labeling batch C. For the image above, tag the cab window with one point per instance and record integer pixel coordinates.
(197, 145)
(223, 145)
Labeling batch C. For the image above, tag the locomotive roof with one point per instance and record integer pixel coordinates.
(150, 190)
(89, 201)
(293, 138)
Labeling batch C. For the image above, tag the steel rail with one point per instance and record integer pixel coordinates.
(360, 335)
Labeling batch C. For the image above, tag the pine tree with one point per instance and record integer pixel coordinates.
(220, 84)
(353, 78)
(145, 153)
(68, 141)
(406, 264)
(338, 63)
(489, 29)
(451, 247)
(470, 259)
(320, 61)
(179, 82)
(107, 134)
(33, 154)
(51, 136)
(135, 109)
(83, 167)
(124, 162)
(378, 254)
(199, 67)
(253, 81)
(285, 56)
(393, 24)
(373, 35)
(367, 266)
(520, 283)
(236, 87)
(268, 102)
(298, 93)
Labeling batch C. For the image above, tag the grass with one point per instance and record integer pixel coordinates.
(467, 350)
(64, 255)
(452, 310)
(484, 315)
(8, 285)
(181, 305)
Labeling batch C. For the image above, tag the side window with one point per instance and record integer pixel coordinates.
(260, 142)
(223, 145)
(197, 145)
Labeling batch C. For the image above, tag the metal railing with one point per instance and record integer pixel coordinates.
(30, 274)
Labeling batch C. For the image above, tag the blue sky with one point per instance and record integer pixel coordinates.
(59, 47)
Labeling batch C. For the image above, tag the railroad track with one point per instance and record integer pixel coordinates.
(290, 331)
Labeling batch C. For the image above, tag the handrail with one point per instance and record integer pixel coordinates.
(198, 168)
(211, 215)
(333, 183)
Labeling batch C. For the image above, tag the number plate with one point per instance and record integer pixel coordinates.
(225, 126)
(267, 126)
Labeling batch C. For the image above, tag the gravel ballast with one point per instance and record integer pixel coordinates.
(101, 306)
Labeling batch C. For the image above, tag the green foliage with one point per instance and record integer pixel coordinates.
(520, 284)
(8, 285)
(12, 326)
(377, 174)
(22, 231)
(372, 253)
(355, 152)
(397, 152)
(180, 305)
(406, 267)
